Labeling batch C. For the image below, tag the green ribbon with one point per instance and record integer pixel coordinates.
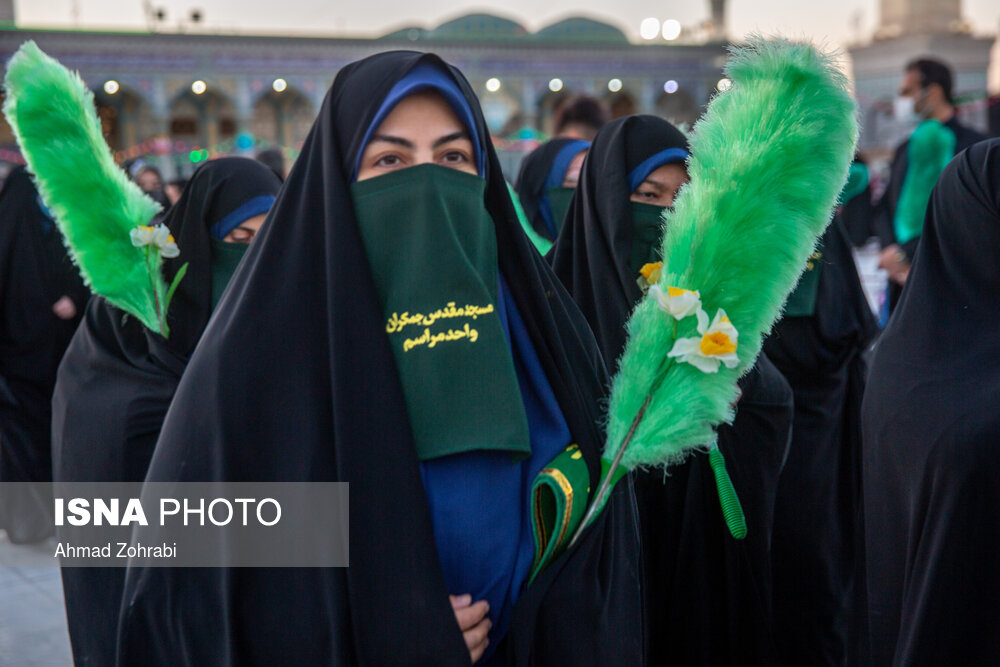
(732, 510)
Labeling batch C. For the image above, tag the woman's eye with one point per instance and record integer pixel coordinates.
(647, 195)
(388, 161)
(454, 157)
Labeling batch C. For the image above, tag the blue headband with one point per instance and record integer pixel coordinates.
(246, 210)
(557, 173)
(654, 162)
(426, 76)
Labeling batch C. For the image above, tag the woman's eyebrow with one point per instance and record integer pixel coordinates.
(399, 141)
(462, 134)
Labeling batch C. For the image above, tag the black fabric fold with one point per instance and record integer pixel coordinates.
(818, 531)
(35, 272)
(930, 421)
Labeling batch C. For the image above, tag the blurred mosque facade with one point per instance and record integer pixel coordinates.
(177, 99)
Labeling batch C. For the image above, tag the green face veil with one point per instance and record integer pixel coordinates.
(431, 245)
(647, 232)
(559, 199)
(225, 258)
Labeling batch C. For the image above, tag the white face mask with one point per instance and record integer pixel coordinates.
(904, 111)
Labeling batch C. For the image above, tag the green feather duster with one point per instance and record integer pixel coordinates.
(768, 161)
(95, 204)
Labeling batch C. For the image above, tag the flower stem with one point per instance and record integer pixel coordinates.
(156, 297)
(598, 503)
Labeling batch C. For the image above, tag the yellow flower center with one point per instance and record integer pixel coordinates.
(170, 238)
(677, 291)
(716, 343)
(146, 227)
(651, 272)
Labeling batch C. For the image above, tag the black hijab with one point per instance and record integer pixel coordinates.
(591, 255)
(708, 595)
(117, 379)
(35, 272)
(930, 421)
(534, 178)
(219, 191)
(312, 394)
(818, 530)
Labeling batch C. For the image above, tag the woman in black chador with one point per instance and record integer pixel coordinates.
(818, 538)
(931, 419)
(117, 378)
(546, 182)
(708, 595)
(396, 206)
(41, 302)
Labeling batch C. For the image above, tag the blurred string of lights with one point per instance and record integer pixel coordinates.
(523, 139)
(195, 153)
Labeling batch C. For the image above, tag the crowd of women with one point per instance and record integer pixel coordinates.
(860, 550)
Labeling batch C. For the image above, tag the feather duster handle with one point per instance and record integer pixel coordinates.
(103, 216)
(768, 161)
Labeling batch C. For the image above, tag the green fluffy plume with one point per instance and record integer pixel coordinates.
(768, 161)
(95, 204)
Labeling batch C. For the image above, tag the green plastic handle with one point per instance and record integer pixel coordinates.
(731, 508)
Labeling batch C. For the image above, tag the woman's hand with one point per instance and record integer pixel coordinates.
(64, 308)
(474, 623)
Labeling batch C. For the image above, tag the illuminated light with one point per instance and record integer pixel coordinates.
(615, 85)
(111, 87)
(649, 28)
(670, 87)
(724, 85)
(493, 85)
(194, 156)
(555, 85)
(671, 29)
(199, 87)
(279, 85)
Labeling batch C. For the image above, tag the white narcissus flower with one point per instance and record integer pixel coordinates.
(141, 236)
(716, 345)
(158, 236)
(679, 303)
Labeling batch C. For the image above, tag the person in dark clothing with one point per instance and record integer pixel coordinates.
(117, 379)
(929, 422)
(708, 595)
(925, 93)
(818, 539)
(579, 117)
(546, 182)
(396, 205)
(41, 299)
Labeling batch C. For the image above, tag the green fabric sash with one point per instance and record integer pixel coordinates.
(432, 249)
(930, 149)
(225, 258)
(647, 234)
(559, 498)
(542, 244)
(559, 201)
